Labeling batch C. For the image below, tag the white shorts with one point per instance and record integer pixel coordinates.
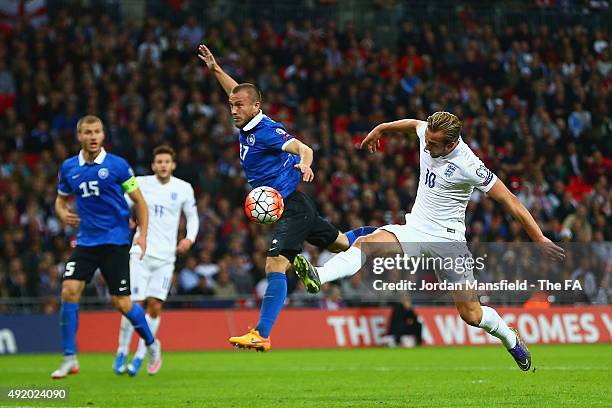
(416, 243)
(150, 277)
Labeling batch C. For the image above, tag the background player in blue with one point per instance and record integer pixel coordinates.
(98, 180)
(272, 157)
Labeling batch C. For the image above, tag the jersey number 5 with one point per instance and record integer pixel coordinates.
(430, 179)
(243, 151)
(89, 189)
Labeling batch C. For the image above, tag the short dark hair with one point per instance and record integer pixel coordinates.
(164, 149)
(251, 89)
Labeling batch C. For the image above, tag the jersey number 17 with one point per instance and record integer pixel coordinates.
(243, 151)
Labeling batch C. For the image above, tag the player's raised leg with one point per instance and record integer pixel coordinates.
(348, 238)
(344, 264)
(69, 323)
(489, 320)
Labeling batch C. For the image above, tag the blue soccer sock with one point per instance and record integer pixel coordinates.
(273, 302)
(69, 323)
(137, 317)
(352, 235)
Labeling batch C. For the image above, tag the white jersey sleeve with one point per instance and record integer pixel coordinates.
(478, 175)
(191, 214)
(420, 130)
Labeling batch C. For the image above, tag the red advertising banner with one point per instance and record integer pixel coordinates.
(358, 327)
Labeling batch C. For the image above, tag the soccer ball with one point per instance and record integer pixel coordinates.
(264, 205)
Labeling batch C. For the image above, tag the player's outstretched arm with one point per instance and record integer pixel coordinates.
(226, 81)
(372, 143)
(64, 212)
(142, 212)
(306, 157)
(500, 193)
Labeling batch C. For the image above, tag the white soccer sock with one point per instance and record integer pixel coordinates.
(125, 335)
(495, 325)
(153, 323)
(344, 264)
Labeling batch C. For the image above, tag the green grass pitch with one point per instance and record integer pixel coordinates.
(566, 375)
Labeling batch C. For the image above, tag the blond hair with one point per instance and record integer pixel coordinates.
(447, 123)
(88, 119)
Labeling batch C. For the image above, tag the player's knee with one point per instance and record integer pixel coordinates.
(471, 315)
(154, 307)
(277, 264)
(70, 293)
(340, 244)
(121, 303)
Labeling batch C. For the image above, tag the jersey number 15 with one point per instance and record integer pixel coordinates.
(89, 188)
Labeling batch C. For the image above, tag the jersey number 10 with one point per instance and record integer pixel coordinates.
(430, 179)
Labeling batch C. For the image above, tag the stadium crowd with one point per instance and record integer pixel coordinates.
(535, 101)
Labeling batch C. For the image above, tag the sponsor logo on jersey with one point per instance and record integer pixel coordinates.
(280, 131)
(251, 139)
(450, 170)
(103, 173)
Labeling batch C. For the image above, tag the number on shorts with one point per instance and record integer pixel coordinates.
(70, 267)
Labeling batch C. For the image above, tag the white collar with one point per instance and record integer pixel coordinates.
(98, 160)
(455, 150)
(253, 122)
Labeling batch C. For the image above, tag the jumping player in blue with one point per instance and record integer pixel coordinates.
(272, 157)
(98, 180)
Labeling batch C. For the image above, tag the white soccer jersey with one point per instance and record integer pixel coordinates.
(445, 186)
(165, 202)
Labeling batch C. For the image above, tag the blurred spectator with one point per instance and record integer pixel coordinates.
(188, 277)
(224, 286)
(201, 288)
(333, 299)
(355, 291)
(404, 326)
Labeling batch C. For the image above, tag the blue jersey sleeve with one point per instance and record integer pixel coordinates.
(276, 138)
(125, 176)
(63, 187)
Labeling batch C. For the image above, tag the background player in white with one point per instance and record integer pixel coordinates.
(449, 172)
(151, 276)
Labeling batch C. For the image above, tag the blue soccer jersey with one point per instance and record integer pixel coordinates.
(99, 189)
(263, 159)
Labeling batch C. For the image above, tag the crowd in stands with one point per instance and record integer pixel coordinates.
(535, 101)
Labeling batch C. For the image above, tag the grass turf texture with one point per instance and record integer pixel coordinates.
(566, 375)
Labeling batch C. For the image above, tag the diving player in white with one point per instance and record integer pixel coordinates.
(449, 173)
(151, 277)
